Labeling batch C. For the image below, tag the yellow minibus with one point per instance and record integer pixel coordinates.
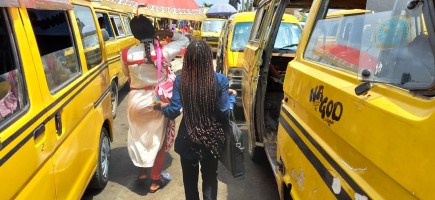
(357, 113)
(235, 36)
(209, 30)
(117, 25)
(55, 105)
(272, 43)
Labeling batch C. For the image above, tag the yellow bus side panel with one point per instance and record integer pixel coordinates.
(367, 145)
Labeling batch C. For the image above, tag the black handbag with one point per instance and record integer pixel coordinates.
(232, 156)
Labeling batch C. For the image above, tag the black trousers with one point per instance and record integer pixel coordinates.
(190, 170)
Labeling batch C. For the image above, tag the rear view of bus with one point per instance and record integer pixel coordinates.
(357, 118)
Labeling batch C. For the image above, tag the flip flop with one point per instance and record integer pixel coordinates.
(162, 182)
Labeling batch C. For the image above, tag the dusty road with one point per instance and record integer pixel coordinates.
(257, 184)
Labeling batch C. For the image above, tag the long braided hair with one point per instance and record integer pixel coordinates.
(142, 29)
(199, 92)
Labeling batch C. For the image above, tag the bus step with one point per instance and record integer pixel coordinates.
(270, 149)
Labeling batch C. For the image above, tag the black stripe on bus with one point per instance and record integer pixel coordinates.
(317, 164)
(322, 151)
(102, 97)
(9, 140)
(114, 59)
(39, 115)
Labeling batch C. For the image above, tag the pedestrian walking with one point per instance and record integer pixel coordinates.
(205, 99)
(147, 127)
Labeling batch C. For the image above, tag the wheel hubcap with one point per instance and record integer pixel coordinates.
(105, 155)
(114, 98)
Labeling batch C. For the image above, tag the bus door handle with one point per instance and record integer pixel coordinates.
(58, 122)
(38, 131)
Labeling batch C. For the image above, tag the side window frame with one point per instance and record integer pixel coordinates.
(126, 22)
(113, 17)
(259, 18)
(93, 48)
(53, 61)
(21, 94)
(107, 22)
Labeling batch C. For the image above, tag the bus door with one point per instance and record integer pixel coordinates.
(68, 99)
(26, 146)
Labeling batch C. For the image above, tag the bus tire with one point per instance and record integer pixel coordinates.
(101, 177)
(114, 98)
(287, 195)
(256, 153)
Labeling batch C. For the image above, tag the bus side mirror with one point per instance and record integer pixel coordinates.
(105, 34)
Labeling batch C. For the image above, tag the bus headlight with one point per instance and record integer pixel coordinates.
(234, 72)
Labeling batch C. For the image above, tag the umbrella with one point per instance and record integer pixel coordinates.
(221, 10)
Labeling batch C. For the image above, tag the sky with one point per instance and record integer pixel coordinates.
(200, 2)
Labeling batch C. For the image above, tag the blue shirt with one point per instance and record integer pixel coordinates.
(224, 103)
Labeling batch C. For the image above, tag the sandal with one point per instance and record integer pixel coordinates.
(161, 183)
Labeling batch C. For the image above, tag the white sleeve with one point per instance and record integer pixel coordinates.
(172, 49)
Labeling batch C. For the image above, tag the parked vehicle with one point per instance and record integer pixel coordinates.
(234, 38)
(55, 106)
(117, 25)
(356, 120)
(209, 30)
(272, 43)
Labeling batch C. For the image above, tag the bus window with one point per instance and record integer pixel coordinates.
(127, 25)
(59, 58)
(116, 21)
(91, 44)
(12, 97)
(103, 20)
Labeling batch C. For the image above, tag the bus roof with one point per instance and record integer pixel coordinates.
(343, 4)
(250, 16)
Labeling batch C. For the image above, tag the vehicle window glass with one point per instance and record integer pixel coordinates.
(240, 36)
(56, 45)
(262, 25)
(116, 21)
(127, 25)
(387, 40)
(103, 20)
(212, 26)
(289, 35)
(258, 18)
(12, 96)
(89, 36)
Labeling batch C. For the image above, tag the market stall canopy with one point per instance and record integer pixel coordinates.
(38, 4)
(175, 9)
(220, 10)
(124, 5)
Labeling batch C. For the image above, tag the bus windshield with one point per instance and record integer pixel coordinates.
(389, 44)
(287, 38)
(212, 25)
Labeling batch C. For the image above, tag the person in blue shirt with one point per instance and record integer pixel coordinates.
(205, 100)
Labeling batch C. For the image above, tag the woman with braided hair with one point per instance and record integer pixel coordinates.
(147, 127)
(205, 99)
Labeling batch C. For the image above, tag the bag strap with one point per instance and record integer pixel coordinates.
(158, 51)
(232, 118)
(124, 54)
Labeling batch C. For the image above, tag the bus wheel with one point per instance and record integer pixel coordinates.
(286, 191)
(114, 98)
(256, 153)
(101, 177)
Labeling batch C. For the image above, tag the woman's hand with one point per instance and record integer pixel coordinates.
(231, 91)
(158, 105)
(163, 34)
